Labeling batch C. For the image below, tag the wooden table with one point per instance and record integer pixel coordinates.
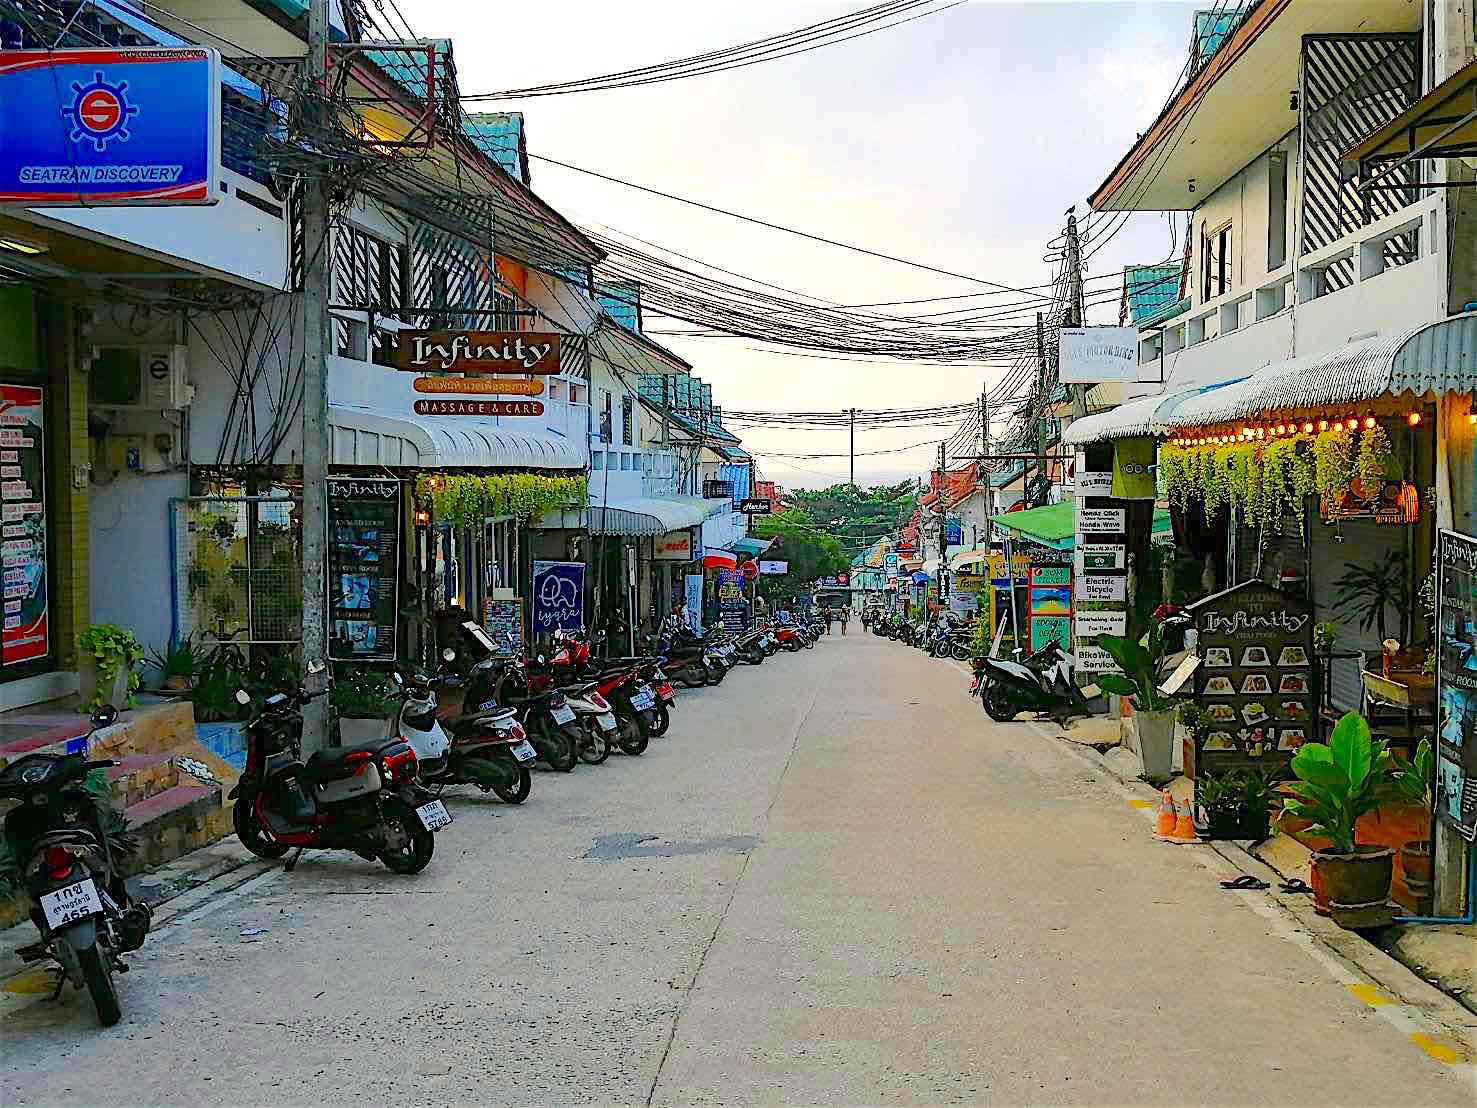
(1412, 692)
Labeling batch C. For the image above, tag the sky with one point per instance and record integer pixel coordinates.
(958, 140)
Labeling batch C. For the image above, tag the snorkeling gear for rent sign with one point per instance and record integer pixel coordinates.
(102, 127)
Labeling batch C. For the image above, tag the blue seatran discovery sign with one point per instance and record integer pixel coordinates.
(85, 128)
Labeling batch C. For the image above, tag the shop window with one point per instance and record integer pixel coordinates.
(1215, 263)
(628, 413)
(597, 459)
(605, 429)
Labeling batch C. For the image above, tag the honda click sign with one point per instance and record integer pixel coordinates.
(103, 127)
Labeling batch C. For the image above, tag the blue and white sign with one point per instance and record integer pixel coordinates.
(102, 127)
(558, 597)
(692, 591)
(953, 531)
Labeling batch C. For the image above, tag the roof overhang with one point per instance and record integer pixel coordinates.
(371, 437)
(1441, 124)
(1238, 105)
(649, 515)
(627, 352)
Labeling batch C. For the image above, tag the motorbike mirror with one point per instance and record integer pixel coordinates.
(105, 716)
(541, 659)
(316, 667)
(243, 697)
(397, 678)
(448, 655)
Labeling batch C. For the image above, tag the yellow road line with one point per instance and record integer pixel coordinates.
(1435, 1048)
(1370, 994)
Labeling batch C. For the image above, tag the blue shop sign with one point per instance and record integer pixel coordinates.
(104, 127)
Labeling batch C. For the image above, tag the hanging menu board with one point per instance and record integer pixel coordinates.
(27, 634)
(1456, 682)
(503, 620)
(1255, 677)
(363, 568)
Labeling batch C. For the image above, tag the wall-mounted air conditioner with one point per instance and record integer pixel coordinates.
(152, 377)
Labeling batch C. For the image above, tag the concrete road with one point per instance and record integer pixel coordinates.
(834, 882)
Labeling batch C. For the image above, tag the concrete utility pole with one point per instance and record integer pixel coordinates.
(985, 443)
(1076, 309)
(852, 451)
(317, 334)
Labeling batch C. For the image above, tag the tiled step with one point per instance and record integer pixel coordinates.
(140, 776)
(174, 822)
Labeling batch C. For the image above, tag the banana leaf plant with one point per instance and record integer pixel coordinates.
(1339, 781)
(1140, 655)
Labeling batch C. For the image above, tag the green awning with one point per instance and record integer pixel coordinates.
(1055, 525)
(751, 547)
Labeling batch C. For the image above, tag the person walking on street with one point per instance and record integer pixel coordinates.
(830, 618)
(845, 619)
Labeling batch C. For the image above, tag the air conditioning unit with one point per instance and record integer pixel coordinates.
(151, 377)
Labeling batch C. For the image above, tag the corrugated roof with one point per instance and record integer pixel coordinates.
(1149, 289)
(1438, 358)
(500, 136)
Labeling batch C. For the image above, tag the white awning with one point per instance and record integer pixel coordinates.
(370, 437)
(1144, 416)
(650, 515)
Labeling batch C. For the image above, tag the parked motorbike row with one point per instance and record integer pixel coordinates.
(483, 720)
(939, 638)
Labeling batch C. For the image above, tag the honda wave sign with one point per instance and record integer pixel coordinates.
(103, 127)
(1092, 354)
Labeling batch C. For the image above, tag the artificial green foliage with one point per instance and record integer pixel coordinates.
(465, 499)
(981, 639)
(1333, 460)
(220, 675)
(179, 660)
(1364, 592)
(1373, 461)
(112, 647)
(1339, 781)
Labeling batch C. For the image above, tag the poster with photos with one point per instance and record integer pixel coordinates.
(363, 568)
(1255, 677)
(1456, 682)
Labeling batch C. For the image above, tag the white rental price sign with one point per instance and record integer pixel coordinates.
(1094, 659)
(1092, 624)
(1094, 484)
(1104, 589)
(1101, 521)
(1092, 354)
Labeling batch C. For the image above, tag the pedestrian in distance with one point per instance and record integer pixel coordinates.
(830, 618)
(845, 619)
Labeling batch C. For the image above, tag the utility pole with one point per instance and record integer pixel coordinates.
(317, 333)
(1041, 420)
(943, 521)
(1076, 309)
(985, 444)
(852, 451)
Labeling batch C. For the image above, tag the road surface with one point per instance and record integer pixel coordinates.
(834, 882)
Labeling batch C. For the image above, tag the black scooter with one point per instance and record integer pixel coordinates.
(1039, 683)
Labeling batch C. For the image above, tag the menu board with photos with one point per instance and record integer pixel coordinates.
(503, 620)
(1456, 682)
(1255, 677)
(22, 489)
(363, 568)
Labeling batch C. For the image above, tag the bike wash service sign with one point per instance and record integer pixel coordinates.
(363, 568)
(558, 597)
(22, 492)
(104, 127)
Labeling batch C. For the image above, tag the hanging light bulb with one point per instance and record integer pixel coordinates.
(1308, 427)
(1414, 419)
(1323, 425)
(1338, 425)
(1368, 422)
(1471, 419)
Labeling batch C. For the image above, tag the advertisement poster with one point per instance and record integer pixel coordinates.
(1046, 630)
(558, 597)
(731, 607)
(503, 622)
(774, 568)
(953, 531)
(1094, 556)
(1098, 521)
(22, 491)
(675, 546)
(363, 568)
(1456, 682)
(692, 592)
(1101, 590)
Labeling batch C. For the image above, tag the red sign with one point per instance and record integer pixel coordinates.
(750, 570)
(842, 579)
(479, 407)
(27, 633)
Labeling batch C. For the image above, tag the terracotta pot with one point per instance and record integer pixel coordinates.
(175, 683)
(1416, 861)
(1358, 878)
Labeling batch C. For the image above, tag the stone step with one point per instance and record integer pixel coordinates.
(176, 821)
(140, 776)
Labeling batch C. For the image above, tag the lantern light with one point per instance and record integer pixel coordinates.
(1471, 419)
(1368, 422)
(1338, 425)
(1308, 427)
(1414, 419)
(1323, 425)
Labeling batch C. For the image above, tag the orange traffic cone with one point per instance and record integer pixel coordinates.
(1164, 819)
(1184, 824)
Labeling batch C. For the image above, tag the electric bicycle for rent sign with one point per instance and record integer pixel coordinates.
(105, 127)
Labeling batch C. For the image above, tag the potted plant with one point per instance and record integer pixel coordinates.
(177, 665)
(1140, 655)
(110, 654)
(1413, 782)
(1236, 804)
(1336, 783)
(365, 705)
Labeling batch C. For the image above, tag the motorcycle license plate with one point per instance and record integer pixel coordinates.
(69, 904)
(666, 693)
(606, 721)
(524, 751)
(433, 815)
(642, 699)
(562, 714)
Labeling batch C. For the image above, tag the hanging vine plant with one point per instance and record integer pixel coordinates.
(1372, 463)
(1333, 460)
(463, 499)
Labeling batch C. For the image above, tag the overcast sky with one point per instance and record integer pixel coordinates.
(958, 140)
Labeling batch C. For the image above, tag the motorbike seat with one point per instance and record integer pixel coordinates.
(334, 757)
(482, 719)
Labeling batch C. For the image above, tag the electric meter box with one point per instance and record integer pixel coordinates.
(148, 378)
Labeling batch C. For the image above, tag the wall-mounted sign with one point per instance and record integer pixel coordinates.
(479, 386)
(1094, 484)
(103, 127)
(1051, 600)
(889, 563)
(1092, 624)
(27, 634)
(675, 546)
(970, 582)
(1094, 659)
(1099, 590)
(1046, 630)
(755, 506)
(477, 352)
(1101, 521)
(1094, 556)
(558, 597)
(363, 568)
(503, 621)
(1087, 355)
(953, 531)
(1051, 575)
(774, 568)
(479, 407)
(1456, 682)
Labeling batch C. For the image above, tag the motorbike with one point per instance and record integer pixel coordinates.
(362, 798)
(687, 658)
(634, 705)
(749, 648)
(1040, 683)
(789, 638)
(66, 847)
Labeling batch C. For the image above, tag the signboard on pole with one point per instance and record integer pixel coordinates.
(675, 546)
(558, 597)
(731, 600)
(363, 568)
(774, 568)
(1098, 590)
(1094, 659)
(1088, 355)
(27, 635)
(755, 506)
(1093, 484)
(1101, 521)
(518, 352)
(1092, 624)
(1095, 556)
(108, 127)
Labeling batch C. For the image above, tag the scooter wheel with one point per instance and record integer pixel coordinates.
(253, 838)
(998, 705)
(96, 974)
(694, 677)
(662, 722)
(632, 739)
(517, 793)
(594, 745)
(716, 674)
(420, 844)
(561, 753)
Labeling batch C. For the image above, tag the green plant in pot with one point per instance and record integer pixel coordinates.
(1237, 804)
(1336, 783)
(1414, 781)
(365, 704)
(1140, 655)
(177, 665)
(110, 656)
